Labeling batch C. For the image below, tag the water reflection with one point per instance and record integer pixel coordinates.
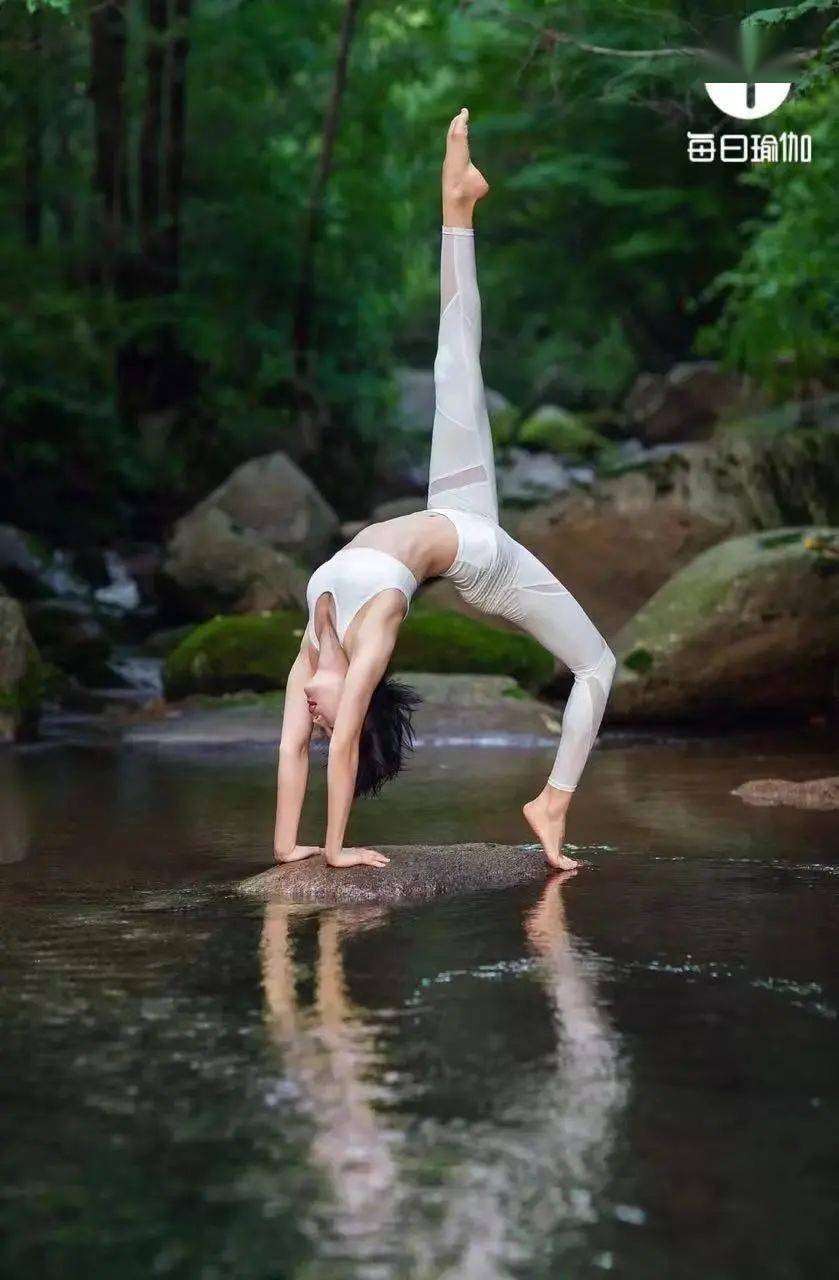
(470, 1201)
(14, 818)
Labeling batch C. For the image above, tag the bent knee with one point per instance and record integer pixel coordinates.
(603, 670)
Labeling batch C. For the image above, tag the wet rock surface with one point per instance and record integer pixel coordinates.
(816, 793)
(415, 873)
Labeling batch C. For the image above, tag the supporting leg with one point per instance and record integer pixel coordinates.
(541, 606)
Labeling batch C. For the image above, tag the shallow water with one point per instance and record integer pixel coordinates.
(631, 1072)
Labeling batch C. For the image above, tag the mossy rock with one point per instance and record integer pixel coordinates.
(748, 628)
(439, 640)
(249, 651)
(559, 431)
(232, 652)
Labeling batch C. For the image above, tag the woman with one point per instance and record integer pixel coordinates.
(359, 598)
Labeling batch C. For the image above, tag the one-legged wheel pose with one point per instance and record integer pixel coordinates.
(359, 598)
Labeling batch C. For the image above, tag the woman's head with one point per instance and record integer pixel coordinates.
(387, 735)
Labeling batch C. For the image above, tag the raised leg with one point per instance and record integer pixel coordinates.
(462, 468)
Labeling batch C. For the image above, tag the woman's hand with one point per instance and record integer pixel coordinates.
(296, 853)
(356, 858)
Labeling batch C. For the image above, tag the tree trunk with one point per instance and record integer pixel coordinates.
(33, 163)
(108, 42)
(151, 134)
(174, 147)
(304, 309)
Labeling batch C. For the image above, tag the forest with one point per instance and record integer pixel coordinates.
(219, 233)
(218, 222)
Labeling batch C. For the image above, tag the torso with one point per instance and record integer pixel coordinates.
(424, 542)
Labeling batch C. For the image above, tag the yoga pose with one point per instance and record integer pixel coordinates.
(359, 598)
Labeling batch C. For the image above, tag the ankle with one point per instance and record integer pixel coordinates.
(457, 212)
(556, 801)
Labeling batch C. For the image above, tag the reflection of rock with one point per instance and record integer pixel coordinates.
(751, 626)
(14, 825)
(416, 873)
(617, 542)
(817, 793)
(21, 677)
(214, 566)
(684, 403)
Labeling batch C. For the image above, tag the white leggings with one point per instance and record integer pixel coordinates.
(492, 571)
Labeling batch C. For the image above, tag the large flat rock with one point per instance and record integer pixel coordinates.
(416, 873)
(454, 707)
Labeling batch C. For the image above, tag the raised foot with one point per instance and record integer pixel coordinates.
(546, 819)
(463, 184)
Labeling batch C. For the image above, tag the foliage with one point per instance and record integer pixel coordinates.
(124, 398)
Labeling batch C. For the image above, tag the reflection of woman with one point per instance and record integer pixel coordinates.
(542, 1164)
(359, 598)
(330, 1055)
(538, 1163)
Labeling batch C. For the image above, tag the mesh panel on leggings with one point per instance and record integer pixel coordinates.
(456, 480)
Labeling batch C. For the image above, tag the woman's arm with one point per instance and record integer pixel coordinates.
(293, 765)
(367, 667)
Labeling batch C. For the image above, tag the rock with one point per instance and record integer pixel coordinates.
(402, 457)
(817, 793)
(613, 544)
(272, 498)
(526, 478)
(214, 566)
(22, 674)
(229, 653)
(415, 408)
(686, 402)
(23, 564)
(255, 652)
(396, 507)
(69, 634)
(454, 707)
(750, 627)
(416, 873)
(560, 431)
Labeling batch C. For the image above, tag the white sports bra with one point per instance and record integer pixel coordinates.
(352, 577)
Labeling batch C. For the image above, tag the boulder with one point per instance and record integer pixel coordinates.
(395, 507)
(686, 402)
(214, 565)
(615, 542)
(416, 873)
(525, 477)
(23, 564)
(749, 628)
(816, 793)
(22, 675)
(557, 429)
(415, 406)
(403, 451)
(271, 498)
(253, 651)
(69, 634)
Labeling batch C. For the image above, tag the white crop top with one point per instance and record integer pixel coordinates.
(352, 577)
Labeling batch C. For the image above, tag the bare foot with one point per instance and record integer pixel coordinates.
(357, 858)
(297, 854)
(463, 184)
(546, 815)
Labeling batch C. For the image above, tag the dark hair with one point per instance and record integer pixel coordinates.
(386, 735)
